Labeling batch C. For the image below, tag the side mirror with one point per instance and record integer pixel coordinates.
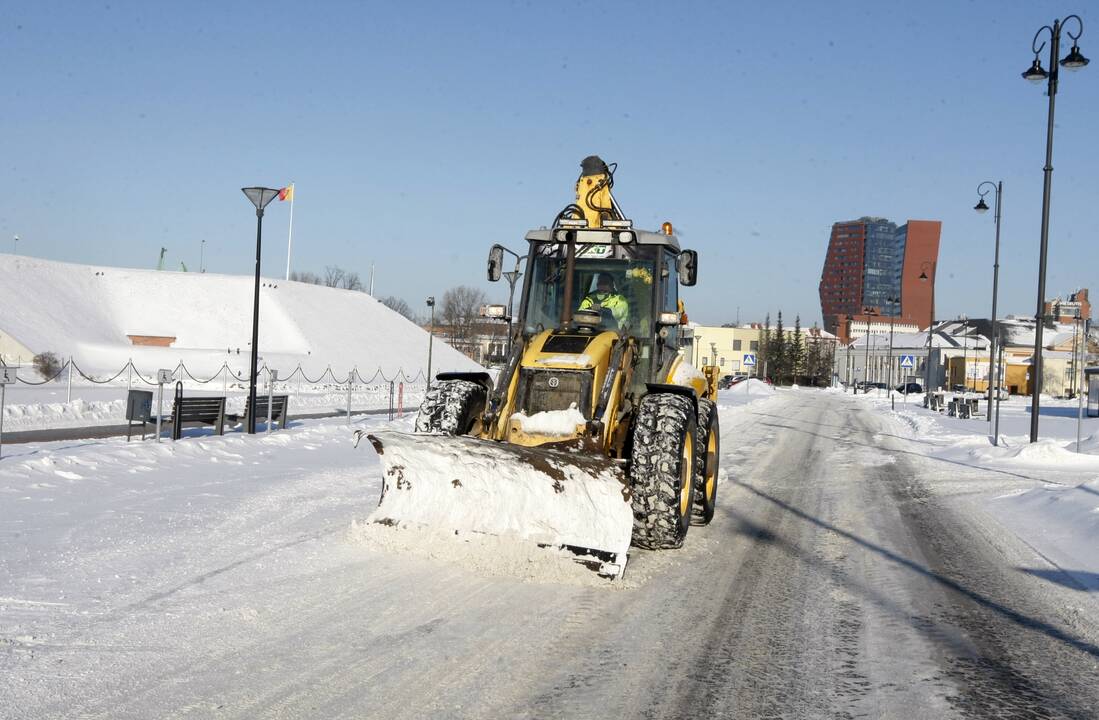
(495, 262)
(687, 267)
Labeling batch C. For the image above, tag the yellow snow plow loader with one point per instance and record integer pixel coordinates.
(599, 432)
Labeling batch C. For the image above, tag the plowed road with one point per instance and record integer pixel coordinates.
(845, 575)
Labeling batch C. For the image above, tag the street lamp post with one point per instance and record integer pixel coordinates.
(260, 197)
(866, 359)
(893, 302)
(964, 320)
(929, 266)
(430, 336)
(1037, 74)
(202, 257)
(994, 340)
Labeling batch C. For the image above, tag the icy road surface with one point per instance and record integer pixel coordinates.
(845, 575)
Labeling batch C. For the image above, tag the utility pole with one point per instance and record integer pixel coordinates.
(430, 334)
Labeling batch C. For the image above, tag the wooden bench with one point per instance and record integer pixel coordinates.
(278, 410)
(197, 411)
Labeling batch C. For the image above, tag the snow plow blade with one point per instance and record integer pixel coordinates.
(548, 497)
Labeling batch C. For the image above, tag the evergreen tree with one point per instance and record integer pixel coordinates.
(812, 356)
(778, 352)
(797, 352)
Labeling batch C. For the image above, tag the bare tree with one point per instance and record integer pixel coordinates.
(460, 311)
(396, 304)
(333, 275)
(47, 364)
(350, 281)
(306, 277)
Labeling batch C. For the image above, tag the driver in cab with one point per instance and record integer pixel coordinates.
(607, 298)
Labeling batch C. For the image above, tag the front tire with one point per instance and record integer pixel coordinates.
(707, 461)
(662, 470)
(451, 407)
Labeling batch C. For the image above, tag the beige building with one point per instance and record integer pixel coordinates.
(725, 347)
(730, 347)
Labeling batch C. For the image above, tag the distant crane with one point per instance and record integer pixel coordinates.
(160, 263)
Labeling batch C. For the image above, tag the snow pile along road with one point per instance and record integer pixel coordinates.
(1045, 492)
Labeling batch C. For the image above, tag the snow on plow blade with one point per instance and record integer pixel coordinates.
(548, 497)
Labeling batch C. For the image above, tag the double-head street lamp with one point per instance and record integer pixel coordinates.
(1037, 74)
(994, 379)
(260, 197)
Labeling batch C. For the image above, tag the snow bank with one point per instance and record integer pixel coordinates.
(751, 386)
(1058, 514)
(89, 312)
(1062, 523)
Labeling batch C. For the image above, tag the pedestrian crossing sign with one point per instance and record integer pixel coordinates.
(908, 361)
(749, 359)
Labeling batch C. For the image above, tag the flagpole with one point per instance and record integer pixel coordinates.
(290, 237)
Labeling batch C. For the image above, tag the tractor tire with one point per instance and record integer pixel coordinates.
(451, 407)
(707, 460)
(662, 470)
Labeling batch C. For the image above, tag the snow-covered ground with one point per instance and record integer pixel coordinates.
(1058, 515)
(124, 560)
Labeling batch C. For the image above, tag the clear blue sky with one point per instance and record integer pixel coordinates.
(420, 133)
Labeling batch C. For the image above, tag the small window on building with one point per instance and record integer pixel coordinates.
(722, 362)
(753, 345)
(736, 344)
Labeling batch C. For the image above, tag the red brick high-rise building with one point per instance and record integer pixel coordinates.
(870, 265)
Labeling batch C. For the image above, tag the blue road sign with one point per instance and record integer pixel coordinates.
(908, 361)
(749, 359)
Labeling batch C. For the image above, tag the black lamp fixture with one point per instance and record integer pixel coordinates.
(1035, 73)
(981, 207)
(1075, 59)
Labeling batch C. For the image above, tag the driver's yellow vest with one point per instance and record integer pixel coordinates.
(614, 302)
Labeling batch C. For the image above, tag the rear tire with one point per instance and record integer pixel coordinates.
(451, 407)
(707, 461)
(662, 470)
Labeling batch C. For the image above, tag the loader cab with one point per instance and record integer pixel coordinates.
(645, 268)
